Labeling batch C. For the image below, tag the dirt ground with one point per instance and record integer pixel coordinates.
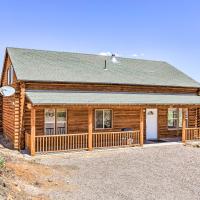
(23, 179)
(162, 172)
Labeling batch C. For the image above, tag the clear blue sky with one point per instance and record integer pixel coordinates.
(151, 29)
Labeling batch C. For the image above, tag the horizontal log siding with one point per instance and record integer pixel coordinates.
(10, 113)
(108, 88)
(77, 121)
(17, 141)
(27, 119)
(39, 122)
(192, 117)
(1, 114)
(8, 118)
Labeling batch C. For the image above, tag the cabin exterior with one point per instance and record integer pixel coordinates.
(70, 101)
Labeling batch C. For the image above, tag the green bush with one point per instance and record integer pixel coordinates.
(2, 162)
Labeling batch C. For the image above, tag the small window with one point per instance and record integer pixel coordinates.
(49, 121)
(175, 118)
(103, 119)
(10, 75)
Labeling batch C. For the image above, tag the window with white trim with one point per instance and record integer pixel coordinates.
(10, 75)
(175, 118)
(103, 119)
(55, 121)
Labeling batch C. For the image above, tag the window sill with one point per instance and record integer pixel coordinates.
(174, 129)
(103, 129)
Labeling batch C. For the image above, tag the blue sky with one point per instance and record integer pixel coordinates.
(149, 29)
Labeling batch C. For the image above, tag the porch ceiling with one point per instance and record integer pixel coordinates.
(91, 98)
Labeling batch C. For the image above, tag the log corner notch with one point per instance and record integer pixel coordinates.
(32, 149)
(141, 126)
(183, 125)
(90, 128)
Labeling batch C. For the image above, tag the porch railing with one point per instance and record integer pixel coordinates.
(116, 139)
(79, 141)
(53, 143)
(192, 134)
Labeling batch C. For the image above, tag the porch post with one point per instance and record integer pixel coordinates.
(141, 127)
(32, 131)
(90, 127)
(183, 124)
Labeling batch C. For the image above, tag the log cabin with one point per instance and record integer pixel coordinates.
(71, 101)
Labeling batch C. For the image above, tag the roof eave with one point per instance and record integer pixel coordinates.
(105, 83)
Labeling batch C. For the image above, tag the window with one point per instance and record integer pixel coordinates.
(61, 120)
(55, 121)
(175, 118)
(103, 119)
(10, 75)
(49, 121)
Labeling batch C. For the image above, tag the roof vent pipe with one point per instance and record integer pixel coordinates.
(105, 66)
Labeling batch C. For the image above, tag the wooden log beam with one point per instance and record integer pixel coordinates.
(183, 125)
(90, 128)
(32, 131)
(109, 106)
(22, 103)
(141, 127)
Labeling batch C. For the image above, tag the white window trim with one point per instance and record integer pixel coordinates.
(103, 119)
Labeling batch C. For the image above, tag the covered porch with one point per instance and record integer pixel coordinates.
(121, 120)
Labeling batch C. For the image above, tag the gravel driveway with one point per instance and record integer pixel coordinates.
(164, 172)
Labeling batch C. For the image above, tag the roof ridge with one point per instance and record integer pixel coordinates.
(81, 53)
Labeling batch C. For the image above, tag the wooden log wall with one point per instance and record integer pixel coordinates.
(1, 114)
(10, 108)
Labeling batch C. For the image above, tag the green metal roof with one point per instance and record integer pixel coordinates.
(40, 65)
(68, 97)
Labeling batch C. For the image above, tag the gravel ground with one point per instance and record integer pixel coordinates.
(162, 172)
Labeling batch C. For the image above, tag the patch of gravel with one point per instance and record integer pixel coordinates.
(164, 172)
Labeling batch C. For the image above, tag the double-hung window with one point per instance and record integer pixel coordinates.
(103, 119)
(175, 118)
(55, 121)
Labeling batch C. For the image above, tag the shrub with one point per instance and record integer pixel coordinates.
(2, 162)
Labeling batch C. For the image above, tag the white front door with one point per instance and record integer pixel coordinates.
(151, 124)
